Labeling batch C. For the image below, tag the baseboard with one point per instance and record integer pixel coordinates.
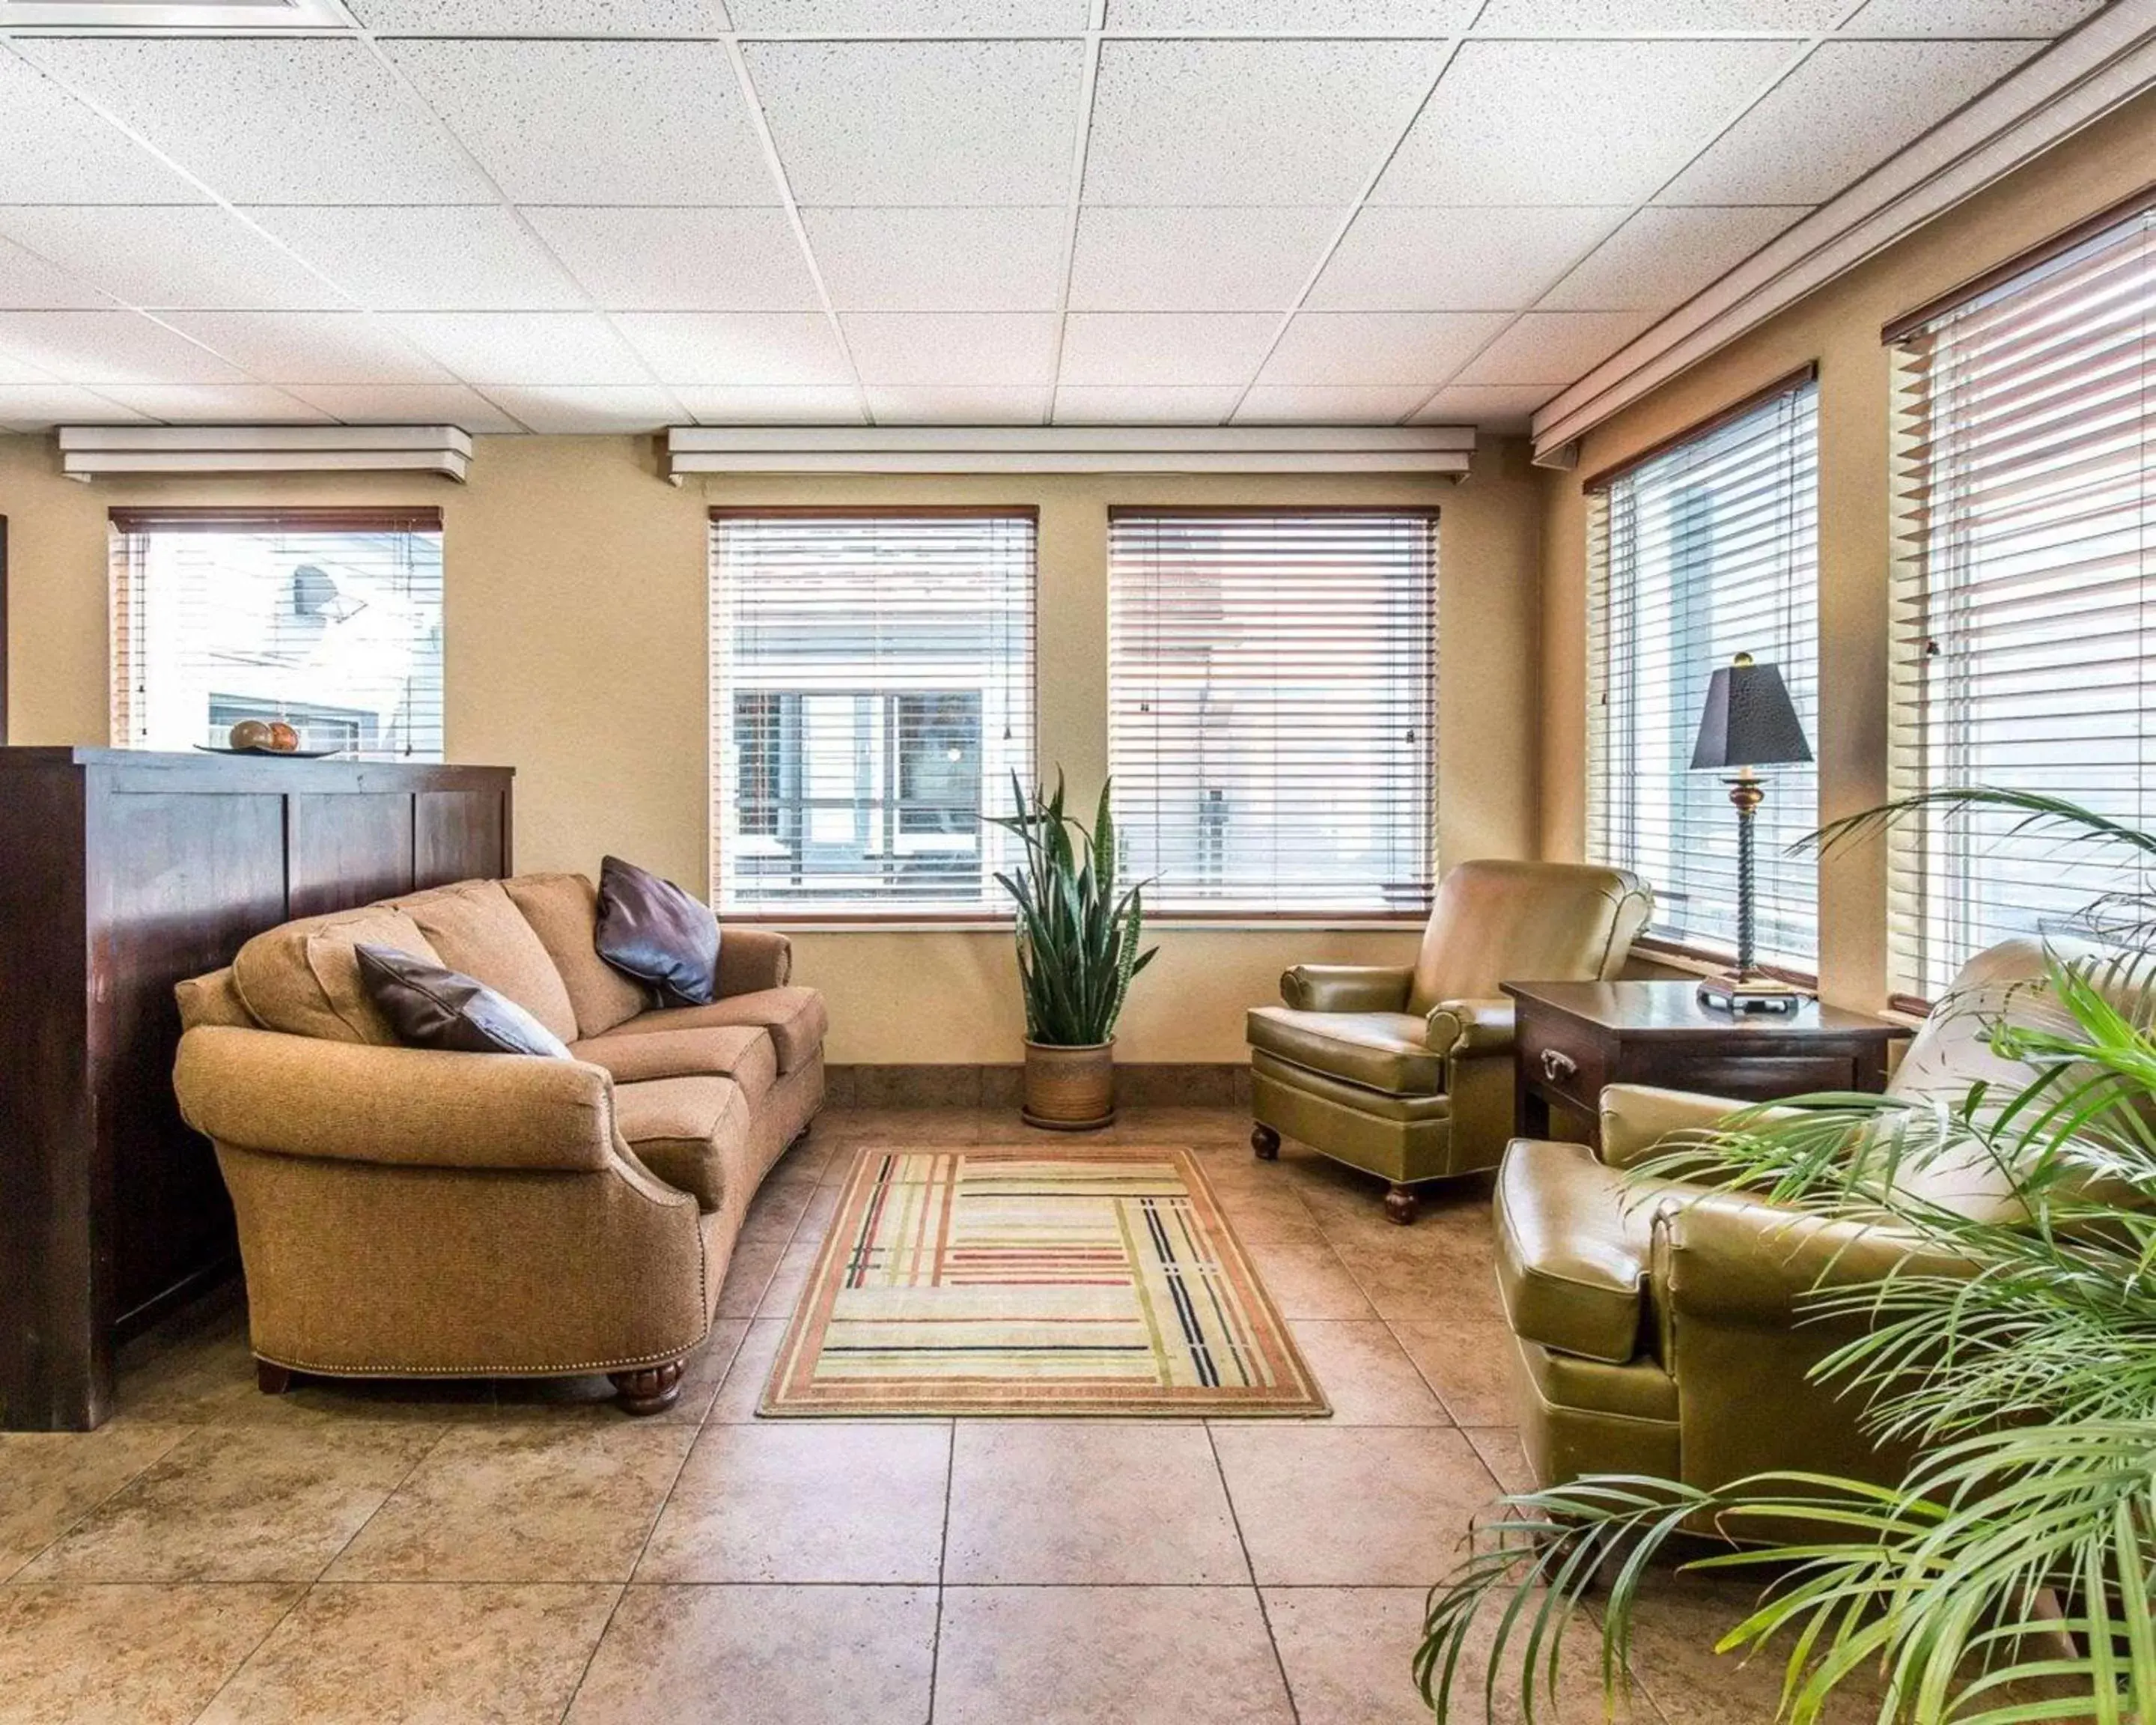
(1138, 1084)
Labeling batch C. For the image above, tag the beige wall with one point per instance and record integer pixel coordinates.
(1838, 328)
(576, 639)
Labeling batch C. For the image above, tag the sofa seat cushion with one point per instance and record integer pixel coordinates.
(795, 1018)
(563, 912)
(1572, 1245)
(302, 978)
(685, 1130)
(744, 1053)
(1639, 1389)
(477, 930)
(1379, 1050)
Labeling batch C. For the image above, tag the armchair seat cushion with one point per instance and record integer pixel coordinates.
(795, 1018)
(1379, 1050)
(744, 1053)
(685, 1130)
(1572, 1250)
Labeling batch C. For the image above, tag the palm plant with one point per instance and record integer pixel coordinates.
(2009, 1575)
(1077, 937)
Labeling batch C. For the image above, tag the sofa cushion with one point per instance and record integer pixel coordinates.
(651, 929)
(683, 1129)
(1572, 1245)
(432, 1006)
(742, 1052)
(1380, 1050)
(302, 979)
(795, 1018)
(564, 910)
(477, 930)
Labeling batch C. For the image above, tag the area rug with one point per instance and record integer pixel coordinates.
(1035, 1283)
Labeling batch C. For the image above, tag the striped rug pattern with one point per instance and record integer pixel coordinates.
(987, 1281)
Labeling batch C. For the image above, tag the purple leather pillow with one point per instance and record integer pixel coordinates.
(429, 1006)
(651, 929)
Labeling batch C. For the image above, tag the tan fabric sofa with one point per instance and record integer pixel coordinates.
(405, 1213)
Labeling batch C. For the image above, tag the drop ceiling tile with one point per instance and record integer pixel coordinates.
(323, 121)
(1322, 404)
(1840, 114)
(56, 150)
(671, 260)
(1969, 17)
(1344, 18)
(1553, 347)
(1661, 257)
(596, 122)
(1169, 259)
(737, 347)
(1116, 404)
(1406, 258)
(101, 347)
(925, 349)
(1378, 348)
(27, 283)
(1572, 121)
(1642, 17)
(216, 404)
(1008, 258)
(1502, 406)
(982, 404)
(14, 370)
(1164, 348)
(161, 255)
(540, 17)
(771, 404)
(533, 349)
(1214, 122)
(406, 404)
(418, 258)
(974, 122)
(310, 347)
(568, 410)
(38, 407)
(912, 17)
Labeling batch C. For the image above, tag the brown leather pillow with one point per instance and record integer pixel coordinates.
(651, 929)
(430, 1006)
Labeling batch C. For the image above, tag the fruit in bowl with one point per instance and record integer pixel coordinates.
(283, 737)
(250, 734)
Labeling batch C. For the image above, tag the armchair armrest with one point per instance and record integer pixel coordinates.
(301, 1096)
(1347, 988)
(750, 959)
(1470, 1027)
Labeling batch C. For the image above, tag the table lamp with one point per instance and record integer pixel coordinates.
(1749, 722)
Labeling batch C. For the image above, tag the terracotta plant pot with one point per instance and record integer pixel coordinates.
(1070, 1090)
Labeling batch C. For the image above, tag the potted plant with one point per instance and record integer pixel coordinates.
(1077, 951)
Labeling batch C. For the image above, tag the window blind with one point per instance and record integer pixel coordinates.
(1702, 551)
(872, 697)
(2025, 592)
(329, 619)
(1272, 699)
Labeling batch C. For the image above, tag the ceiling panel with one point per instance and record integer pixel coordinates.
(215, 403)
(1643, 17)
(1840, 114)
(169, 255)
(1970, 17)
(27, 283)
(671, 259)
(54, 150)
(980, 405)
(596, 122)
(310, 347)
(1572, 122)
(1378, 348)
(1170, 347)
(536, 349)
(916, 18)
(1502, 406)
(1406, 257)
(1163, 259)
(920, 260)
(323, 121)
(1553, 347)
(426, 258)
(1328, 404)
(540, 17)
(591, 407)
(1663, 256)
(925, 349)
(406, 404)
(100, 347)
(1115, 404)
(1345, 18)
(40, 407)
(922, 122)
(1215, 122)
(736, 348)
(771, 404)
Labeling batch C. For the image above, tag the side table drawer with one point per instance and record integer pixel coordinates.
(1563, 1059)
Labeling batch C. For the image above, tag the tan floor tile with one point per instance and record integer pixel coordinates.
(750, 1369)
(857, 1128)
(1499, 1448)
(805, 1501)
(522, 1502)
(148, 1655)
(1329, 1506)
(50, 1480)
(775, 1656)
(1268, 1214)
(1307, 1281)
(1087, 1655)
(776, 1210)
(1365, 1374)
(748, 1273)
(1471, 1365)
(1426, 1282)
(1679, 1619)
(816, 1220)
(789, 1280)
(400, 1654)
(1076, 1501)
(244, 1503)
(545, 1400)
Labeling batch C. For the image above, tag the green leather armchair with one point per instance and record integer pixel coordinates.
(1405, 1072)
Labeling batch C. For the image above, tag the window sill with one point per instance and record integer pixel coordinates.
(900, 923)
(1699, 960)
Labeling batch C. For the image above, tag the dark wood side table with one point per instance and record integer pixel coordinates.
(1573, 1038)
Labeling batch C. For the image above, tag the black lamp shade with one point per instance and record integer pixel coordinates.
(1749, 721)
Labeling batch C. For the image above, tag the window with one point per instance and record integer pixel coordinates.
(1701, 550)
(872, 697)
(1272, 698)
(2026, 589)
(328, 619)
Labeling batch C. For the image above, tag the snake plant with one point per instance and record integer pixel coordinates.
(1077, 937)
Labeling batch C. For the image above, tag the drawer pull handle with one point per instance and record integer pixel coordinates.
(1557, 1067)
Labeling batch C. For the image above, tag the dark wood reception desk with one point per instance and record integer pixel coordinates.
(121, 873)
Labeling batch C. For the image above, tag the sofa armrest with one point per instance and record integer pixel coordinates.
(1637, 1117)
(302, 1095)
(1470, 1027)
(1347, 988)
(1572, 1248)
(750, 959)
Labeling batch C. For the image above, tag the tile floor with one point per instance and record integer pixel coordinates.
(473, 1553)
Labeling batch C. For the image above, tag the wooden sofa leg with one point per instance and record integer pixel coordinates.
(1400, 1204)
(1265, 1142)
(652, 1390)
(272, 1379)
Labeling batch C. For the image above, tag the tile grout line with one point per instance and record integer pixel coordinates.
(1264, 1617)
(181, 1434)
(943, 1568)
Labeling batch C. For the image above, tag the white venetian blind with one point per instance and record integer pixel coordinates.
(2026, 592)
(330, 620)
(1272, 700)
(1705, 550)
(872, 682)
